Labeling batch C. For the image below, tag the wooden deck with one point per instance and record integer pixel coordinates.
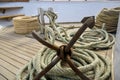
(16, 50)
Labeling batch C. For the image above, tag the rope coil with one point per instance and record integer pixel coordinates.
(109, 17)
(90, 63)
(93, 65)
(25, 24)
(96, 38)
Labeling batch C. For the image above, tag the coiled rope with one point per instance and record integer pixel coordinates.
(109, 17)
(93, 65)
(92, 39)
(25, 24)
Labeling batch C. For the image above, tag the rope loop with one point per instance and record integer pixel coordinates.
(93, 65)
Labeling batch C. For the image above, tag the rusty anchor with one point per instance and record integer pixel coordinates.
(64, 51)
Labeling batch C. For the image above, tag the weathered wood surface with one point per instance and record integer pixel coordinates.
(16, 50)
(5, 8)
(117, 53)
(17, 7)
(10, 16)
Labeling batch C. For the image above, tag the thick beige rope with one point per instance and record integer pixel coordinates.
(25, 24)
(93, 39)
(109, 17)
(93, 65)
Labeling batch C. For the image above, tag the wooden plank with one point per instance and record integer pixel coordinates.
(3, 77)
(22, 41)
(21, 44)
(8, 66)
(15, 50)
(10, 16)
(19, 49)
(11, 61)
(117, 53)
(11, 7)
(27, 44)
(6, 73)
(14, 57)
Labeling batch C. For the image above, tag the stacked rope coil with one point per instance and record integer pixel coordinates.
(25, 24)
(109, 17)
(93, 65)
(93, 39)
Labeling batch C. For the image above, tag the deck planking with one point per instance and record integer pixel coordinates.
(17, 50)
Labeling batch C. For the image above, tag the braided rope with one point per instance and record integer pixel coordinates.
(109, 17)
(94, 38)
(93, 65)
(25, 24)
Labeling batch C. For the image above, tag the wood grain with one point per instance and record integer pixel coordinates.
(17, 50)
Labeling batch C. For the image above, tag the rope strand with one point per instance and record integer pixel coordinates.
(93, 65)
